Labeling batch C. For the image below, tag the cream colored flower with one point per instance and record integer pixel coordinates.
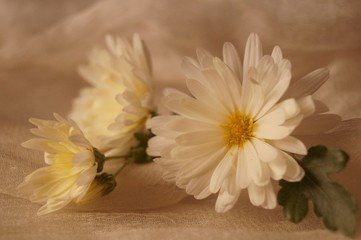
(120, 99)
(72, 165)
(235, 132)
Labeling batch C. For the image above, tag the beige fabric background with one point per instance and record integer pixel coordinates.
(43, 42)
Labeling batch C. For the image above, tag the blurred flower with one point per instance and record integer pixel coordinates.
(120, 99)
(235, 133)
(73, 164)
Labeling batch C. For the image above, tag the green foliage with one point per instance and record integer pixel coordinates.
(331, 201)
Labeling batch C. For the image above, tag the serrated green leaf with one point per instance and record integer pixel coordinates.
(294, 203)
(336, 206)
(322, 161)
(330, 200)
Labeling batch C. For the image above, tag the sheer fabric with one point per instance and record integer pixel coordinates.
(43, 42)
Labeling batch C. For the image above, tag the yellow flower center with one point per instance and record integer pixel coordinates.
(238, 129)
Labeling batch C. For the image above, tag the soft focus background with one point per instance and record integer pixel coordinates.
(42, 42)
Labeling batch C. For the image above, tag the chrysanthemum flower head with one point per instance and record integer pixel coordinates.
(72, 165)
(235, 132)
(120, 99)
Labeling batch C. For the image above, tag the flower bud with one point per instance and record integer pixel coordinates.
(102, 185)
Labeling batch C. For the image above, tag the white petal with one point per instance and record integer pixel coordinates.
(170, 176)
(198, 137)
(82, 159)
(270, 200)
(80, 140)
(231, 58)
(277, 91)
(158, 121)
(60, 118)
(203, 194)
(290, 144)
(170, 164)
(142, 53)
(53, 205)
(48, 159)
(228, 195)
(191, 108)
(252, 97)
(290, 107)
(38, 144)
(277, 54)
(204, 163)
(205, 58)
(271, 132)
(257, 194)
(292, 123)
(278, 166)
(198, 90)
(45, 132)
(199, 186)
(87, 74)
(294, 172)
(174, 93)
(171, 167)
(219, 88)
(265, 174)
(307, 105)
(222, 170)
(267, 72)
(265, 151)
(274, 117)
(204, 94)
(165, 132)
(252, 53)
(156, 144)
(242, 175)
(181, 124)
(283, 65)
(87, 176)
(231, 81)
(129, 96)
(193, 151)
(191, 69)
(258, 171)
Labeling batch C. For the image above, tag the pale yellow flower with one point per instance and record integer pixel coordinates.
(235, 132)
(120, 99)
(72, 165)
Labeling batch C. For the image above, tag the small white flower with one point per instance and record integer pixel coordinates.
(235, 132)
(120, 99)
(72, 165)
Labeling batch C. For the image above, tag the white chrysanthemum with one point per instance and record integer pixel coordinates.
(72, 169)
(235, 132)
(120, 100)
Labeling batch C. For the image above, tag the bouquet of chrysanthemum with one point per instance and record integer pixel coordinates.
(240, 129)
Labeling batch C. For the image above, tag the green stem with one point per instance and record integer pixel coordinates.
(120, 169)
(116, 157)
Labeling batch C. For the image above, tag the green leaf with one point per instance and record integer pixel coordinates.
(331, 201)
(294, 202)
